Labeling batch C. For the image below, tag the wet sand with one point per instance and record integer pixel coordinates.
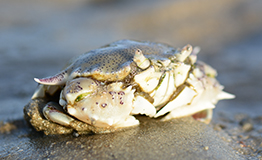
(37, 38)
(177, 139)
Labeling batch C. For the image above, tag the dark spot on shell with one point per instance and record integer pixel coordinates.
(96, 103)
(121, 93)
(104, 105)
(83, 109)
(77, 89)
(121, 102)
(112, 92)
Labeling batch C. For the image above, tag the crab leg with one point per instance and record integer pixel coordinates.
(42, 90)
(143, 106)
(148, 79)
(52, 112)
(58, 79)
(164, 91)
(183, 98)
(189, 110)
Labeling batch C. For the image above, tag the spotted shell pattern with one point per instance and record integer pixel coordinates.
(112, 63)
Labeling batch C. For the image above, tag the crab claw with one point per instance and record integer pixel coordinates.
(58, 79)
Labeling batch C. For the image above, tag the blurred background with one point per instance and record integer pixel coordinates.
(38, 37)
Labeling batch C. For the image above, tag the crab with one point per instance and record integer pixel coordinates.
(104, 88)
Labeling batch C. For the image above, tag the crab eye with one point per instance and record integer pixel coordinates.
(82, 96)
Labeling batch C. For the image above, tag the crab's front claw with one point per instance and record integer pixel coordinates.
(99, 105)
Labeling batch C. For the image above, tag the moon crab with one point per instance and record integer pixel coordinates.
(102, 90)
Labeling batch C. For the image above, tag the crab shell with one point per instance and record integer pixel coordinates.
(110, 63)
(106, 86)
